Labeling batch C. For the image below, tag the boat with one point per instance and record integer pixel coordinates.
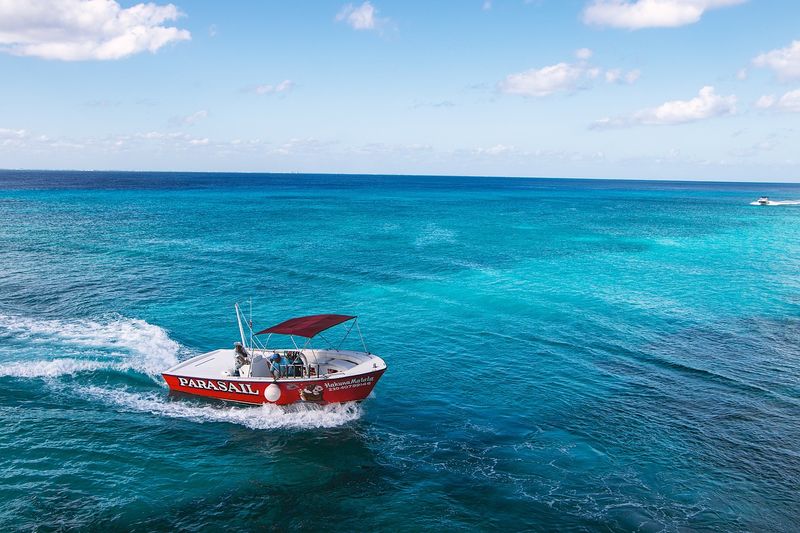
(763, 200)
(253, 373)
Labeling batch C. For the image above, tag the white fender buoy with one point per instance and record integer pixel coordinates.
(272, 392)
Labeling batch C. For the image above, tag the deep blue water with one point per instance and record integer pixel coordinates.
(563, 354)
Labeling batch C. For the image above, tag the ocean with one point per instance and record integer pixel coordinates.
(562, 354)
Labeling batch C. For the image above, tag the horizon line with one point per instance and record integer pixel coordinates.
(367, 174)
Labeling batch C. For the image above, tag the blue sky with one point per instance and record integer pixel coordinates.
(669, 89)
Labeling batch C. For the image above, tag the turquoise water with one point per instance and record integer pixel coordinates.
(562, 354)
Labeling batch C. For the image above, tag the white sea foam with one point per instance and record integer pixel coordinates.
(267, 416)
(778, 202)
(123, 344)
(49, 369)
(433, 234)
(136, 344)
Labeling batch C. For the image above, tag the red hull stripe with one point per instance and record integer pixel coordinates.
(344, 389)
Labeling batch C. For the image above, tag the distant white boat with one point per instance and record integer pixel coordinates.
(764, 200)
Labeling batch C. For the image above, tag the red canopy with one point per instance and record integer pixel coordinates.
(307, 326)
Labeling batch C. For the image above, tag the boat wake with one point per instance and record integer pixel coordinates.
(267, 416)
(777, 202)
(118, 343)
(121, 344)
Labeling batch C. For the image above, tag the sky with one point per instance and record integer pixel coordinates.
(647, 89)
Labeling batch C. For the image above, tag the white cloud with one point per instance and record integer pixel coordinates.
(166, 140)
(190, 120)
(788, 102)
(543, 81)
(633, 76)
(706, 104)
(497, 149)
(505, 152)
(7, 133)
(785, 62)
(638, 14)
(741, 74)
(363, 17)
(283, 87)
(413, 150)
(20, 139)
(561, 77)
(75, 30)
(15, 138)
(195, 117)
(102, 103)
(487, 5)
(766, 101)
(308, 145)
(613, 75)
(438, 104)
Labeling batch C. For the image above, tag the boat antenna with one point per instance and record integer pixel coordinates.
(239, 320)
(251, 323)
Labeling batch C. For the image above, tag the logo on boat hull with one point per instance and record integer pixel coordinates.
(312, 393)
(217, 385)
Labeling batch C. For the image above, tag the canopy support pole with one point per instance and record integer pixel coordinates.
(364, 344)
(250, 324)
(346, 334)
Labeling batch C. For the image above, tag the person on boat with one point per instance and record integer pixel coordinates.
(275, 364)
(241, 357)
(295, 370)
